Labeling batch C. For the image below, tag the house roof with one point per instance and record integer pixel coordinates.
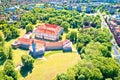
(52, 44)
(113, 23)
(39, 42)
(118, 29)
(25, 41)
(66, 42)
(49, 29)
(60, 43)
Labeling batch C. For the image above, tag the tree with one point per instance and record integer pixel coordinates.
(96, 74)
(27, 61)
(81, 77)
(108, 67)
(9, 70)
(15, 32)
(108, 79)
(86, 23)
(2, 54)
(84, 38)
(29, 27)
(4, 76)
(86, 72)
(72, 36)
(108, 45)
(1, 38)
(93, 24)
(62, 77)
(9, 53)
(79, 46)
(65, 26)
(7, 33)
(97, 49)
(2, 51)
(71, 73)
(102, 37)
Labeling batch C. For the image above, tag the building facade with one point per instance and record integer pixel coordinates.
(48, 32)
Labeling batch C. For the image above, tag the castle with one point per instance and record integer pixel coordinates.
(38, 47)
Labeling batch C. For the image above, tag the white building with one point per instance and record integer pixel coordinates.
(48, 32)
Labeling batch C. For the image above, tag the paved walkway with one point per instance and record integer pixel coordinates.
(18, 66)
(116, 52)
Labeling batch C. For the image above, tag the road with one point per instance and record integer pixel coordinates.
(116, 52)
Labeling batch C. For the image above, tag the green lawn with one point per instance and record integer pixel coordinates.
(55, 63)
(17, 55)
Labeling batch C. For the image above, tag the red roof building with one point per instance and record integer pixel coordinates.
(25, 41)
(48, 32)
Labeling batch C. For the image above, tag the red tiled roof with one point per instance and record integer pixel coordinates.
(48, 44)
(39, 42)
(61, 43)
(66, 41)
(49, 29)
(29, 41)
(113, 23)
(40, 30)
(25, 41)
(118, 29)
(51, 32)
(51, 25)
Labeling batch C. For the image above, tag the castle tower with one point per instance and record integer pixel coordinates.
(34, 47)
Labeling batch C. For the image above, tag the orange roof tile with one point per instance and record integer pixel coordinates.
(49, 29)
(25, 41)
(118, 29)
(113, 23)
(39, 42)
(52, 44)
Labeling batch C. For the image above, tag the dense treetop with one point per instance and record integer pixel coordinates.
(72, 19)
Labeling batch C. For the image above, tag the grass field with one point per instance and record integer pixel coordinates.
(54, 64)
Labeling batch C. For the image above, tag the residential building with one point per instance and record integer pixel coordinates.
(115, 29)
(116, 18)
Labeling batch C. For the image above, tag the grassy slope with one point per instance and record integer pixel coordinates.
(55, 63)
